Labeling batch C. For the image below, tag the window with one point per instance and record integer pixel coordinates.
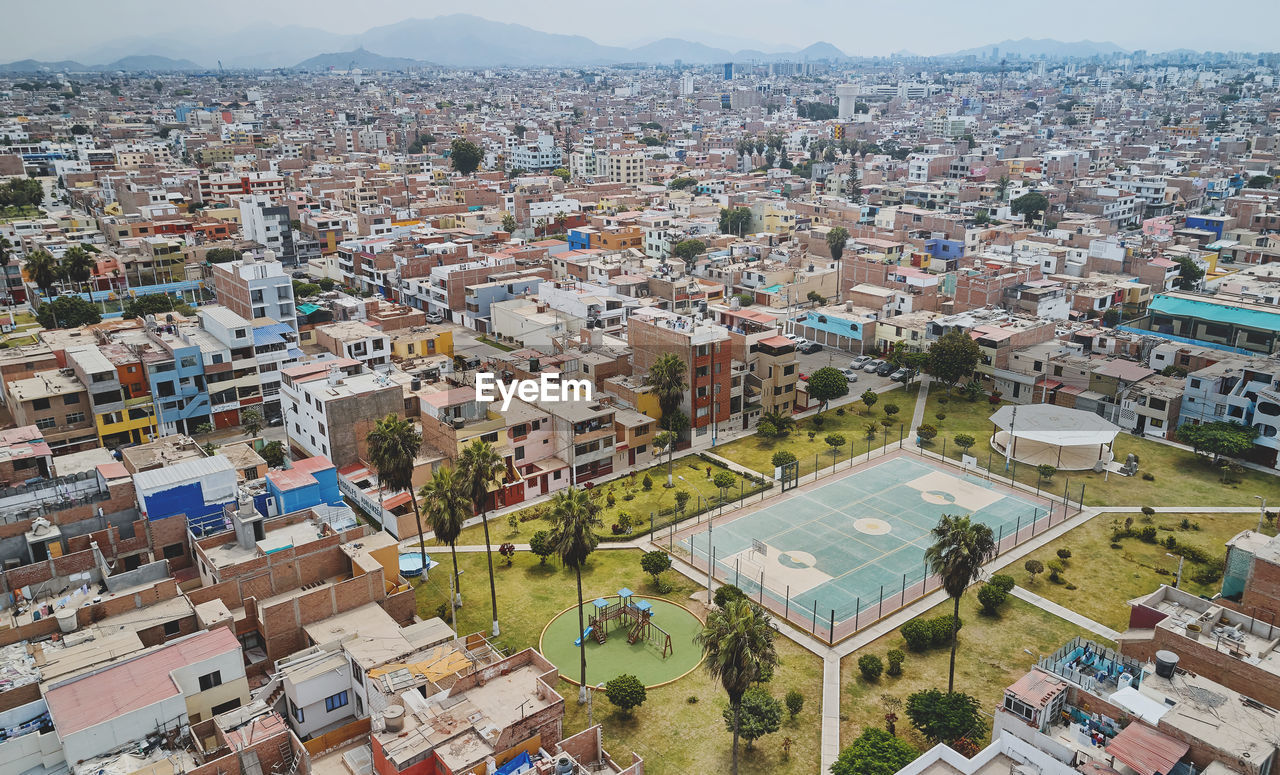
(44, 423)
(295, 711)
(40, 404)
(75, 417)
(338, 700)
(71, 399)
(188, 363)
(173, 551)
(357, 673)
(210, 680)
(172, 628)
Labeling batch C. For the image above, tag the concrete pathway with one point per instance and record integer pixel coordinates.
(1063, 612)
(830, 741)
(922, 399)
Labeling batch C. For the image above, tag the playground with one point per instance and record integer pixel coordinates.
(851, 549)
(650, 638)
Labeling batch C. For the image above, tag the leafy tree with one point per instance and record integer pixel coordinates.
(991, 598)
(150, 304)
(870, 397)
(874, 752)
(724, 480)
(221, 255)
(6, 251)
(794, 702)
(682, 499)
(953, 356)
(508, 223)
(251, 421)
(815, 297)
(726, 593)
(766, 430)
(481, 466)
(1189, 273)
(680, 184)
(68, 312)
(761, 714)
(1219, 439)
(736, 221)
(836, 238)
(871, 666)
(273, 453)
(945, 717)
(305, 290)
(541, 546)
(1031, 205)
(960, 548)
(574, 519)
(446, 506)
(782, 457)
(737, 647)
(896, 658)
(926, 432)
(394, 445)
(1112, 316)
(1260, 181)
(827, 383)
(79, 129)
(326, 284)
(1033, 568)
(562, 173)
(420, 142)
(964, 441)
(891, 410)
(655, 563)
(1046, 471)
(465, 156)
(625, 692)
(689, 249)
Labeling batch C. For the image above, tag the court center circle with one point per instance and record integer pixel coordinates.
(872, 526)
(797, 559)
(938, 497)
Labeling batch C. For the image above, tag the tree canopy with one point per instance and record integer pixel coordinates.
(465, 156)
(681, 183)
(689, 249)
(735, 221)
(945, 717)
(835, 241)
(1220, 439)
(952, 357)
(761, 715)
(1031, 205)
(827, 383)
(68, 312)
(1189, 272)
(875, 752)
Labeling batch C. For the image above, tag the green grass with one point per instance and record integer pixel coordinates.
(661, 730)
(13, 213)
(756, 452)
(495, 344)
(1181, 478)
(657, 498)
(992, 655)
(1106, 578)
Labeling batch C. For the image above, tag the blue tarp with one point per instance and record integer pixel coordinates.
(518, 764)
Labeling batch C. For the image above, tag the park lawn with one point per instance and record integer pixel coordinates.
(495, 344)
(1182, 478)
(1106, 578)
(756, 452)
(992, 655)
(531, 594)
(692, 467)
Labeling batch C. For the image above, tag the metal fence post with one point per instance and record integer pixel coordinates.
(902, 600)
(786, 609)
(650, 527)
(1081, 499)
(1000, 539)
(737, 565)
(814, 629)
(760, 596)
(857, 612)
(880, 607)
(1017, 530)
(831, 634)
(901, 430)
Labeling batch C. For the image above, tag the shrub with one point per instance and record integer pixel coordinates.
(766, 430)
(891, 409)
(646, 483)
(964, 441)
(918, 634)
(926, 432)
(839, 411)
(896, 658)
(1147, 476)
(1211, 573)
(541, 545)
(818, 421)
(610, 500)
(1064, 553)
(795, 702)
(991, 597)
(782, 457)
(871, 666)
(940, 416)
(655, 563)
(1147, 535)
(692, 699)
(1002, 582)
(1056, 568)
(727, 593)
(625, 692)
(1033, 568)
(664, 587)
(812, 434)
(682, 498)
(942, 628)
(1148, 510)
(1046, 471)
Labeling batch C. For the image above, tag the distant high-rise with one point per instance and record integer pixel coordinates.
(728, 71)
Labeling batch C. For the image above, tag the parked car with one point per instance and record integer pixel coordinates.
(809, 347)
(885, 368)
(800, 342)
(901, 375)
(804, 377)
(872, 366)
(860, 361)
(850, 374)
(434, 317)
(793, 337)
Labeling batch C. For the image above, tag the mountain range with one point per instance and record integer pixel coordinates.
(455, 40)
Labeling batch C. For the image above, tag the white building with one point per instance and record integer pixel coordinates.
(265, 221)
(539, 155)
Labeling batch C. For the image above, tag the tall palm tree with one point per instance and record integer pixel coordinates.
(574, 519)
(667, 440)
(960, 548)
(394, 444)
(446, 506)
(737, 648)
(667, 376)
(43, 270)
(78, 265)
(481, 466)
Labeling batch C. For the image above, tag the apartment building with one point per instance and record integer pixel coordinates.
(1237, 389)
(222, 187)
(254, 289)
(357, 341)
(330, 407)
(707, 354)
(57, 404)
(266, 221)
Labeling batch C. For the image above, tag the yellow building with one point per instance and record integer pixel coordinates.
(420, 342)
(138, 420)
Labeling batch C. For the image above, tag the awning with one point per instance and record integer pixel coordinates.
(1147, 751)
(1052, 424)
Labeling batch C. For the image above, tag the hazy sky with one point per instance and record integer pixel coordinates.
(856, 26)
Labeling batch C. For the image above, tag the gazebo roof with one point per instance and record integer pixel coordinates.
(1052, 424)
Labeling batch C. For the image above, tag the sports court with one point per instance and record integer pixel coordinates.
(854, 542)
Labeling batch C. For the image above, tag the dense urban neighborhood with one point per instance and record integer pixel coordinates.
(656, 410)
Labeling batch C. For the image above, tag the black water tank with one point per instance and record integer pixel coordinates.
(1166, 663)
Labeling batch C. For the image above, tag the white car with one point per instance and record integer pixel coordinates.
(434, 317)
(800, 342)
(850, 374)
(860, 361)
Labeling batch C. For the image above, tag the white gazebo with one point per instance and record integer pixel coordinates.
(1067, 439)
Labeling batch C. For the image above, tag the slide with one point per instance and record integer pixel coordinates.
(585, 634)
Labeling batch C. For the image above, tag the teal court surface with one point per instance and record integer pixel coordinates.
(846, 550)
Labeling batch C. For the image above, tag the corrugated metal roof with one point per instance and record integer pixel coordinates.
(186, 472)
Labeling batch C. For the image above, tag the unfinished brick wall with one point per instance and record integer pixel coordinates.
(167, 532)
(281, 623)
(1262, 590)
(1201, 657)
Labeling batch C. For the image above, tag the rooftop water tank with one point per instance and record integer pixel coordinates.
(1166, 663)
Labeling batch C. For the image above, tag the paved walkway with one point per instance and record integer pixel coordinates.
(922, 399)
(1063, 612)
(830, 741)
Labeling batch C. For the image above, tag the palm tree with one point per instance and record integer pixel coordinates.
(481, 466)
(78, 265)
(783, 421)
(43, 269)
(667, 376)
(960, 548)
(667, 440)
(394, 444)
(737, 648)
(446, 506)
(575, 517)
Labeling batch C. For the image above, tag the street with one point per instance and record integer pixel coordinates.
(829, 356)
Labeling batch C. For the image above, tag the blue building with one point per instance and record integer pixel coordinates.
(944, 248)
(310, 483)
(178, 386)
(728, 71)
(579, 239)
(201, 490)
(1210, 223)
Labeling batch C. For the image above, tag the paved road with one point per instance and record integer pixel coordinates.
(827, 356)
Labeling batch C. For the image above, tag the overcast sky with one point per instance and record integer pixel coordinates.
(34, 29)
